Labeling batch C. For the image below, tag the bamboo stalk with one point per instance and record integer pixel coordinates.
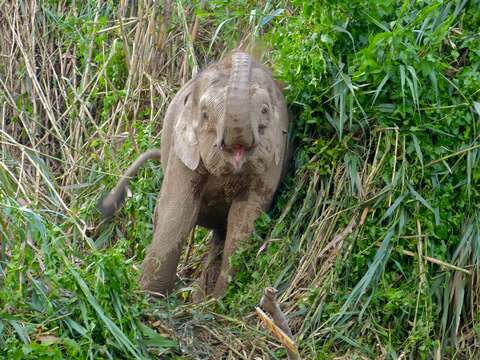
(460, 152)
(438, 262)
(288, 343)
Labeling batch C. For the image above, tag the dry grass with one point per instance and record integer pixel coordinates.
(80, 82)
(76, 82)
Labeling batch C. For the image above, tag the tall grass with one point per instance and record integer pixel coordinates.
(374, 241)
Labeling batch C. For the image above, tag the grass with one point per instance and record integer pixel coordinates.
(373, 241)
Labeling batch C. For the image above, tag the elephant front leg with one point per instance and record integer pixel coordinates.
(175, 215)
(211, 267)
(241, 223)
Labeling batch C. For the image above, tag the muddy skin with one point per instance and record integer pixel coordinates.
(224, 148)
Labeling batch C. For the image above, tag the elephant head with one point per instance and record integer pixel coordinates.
(230, 119)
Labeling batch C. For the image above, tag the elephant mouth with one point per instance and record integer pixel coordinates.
(238, 154)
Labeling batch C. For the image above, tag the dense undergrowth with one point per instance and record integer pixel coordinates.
(374, 241)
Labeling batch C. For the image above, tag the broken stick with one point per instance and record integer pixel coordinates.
(279, 326)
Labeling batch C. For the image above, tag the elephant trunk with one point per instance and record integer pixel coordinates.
(238, 130)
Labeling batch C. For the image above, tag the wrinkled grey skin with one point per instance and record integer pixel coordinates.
(224, 146)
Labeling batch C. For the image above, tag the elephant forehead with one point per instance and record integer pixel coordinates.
(213, 98)
(259, 94)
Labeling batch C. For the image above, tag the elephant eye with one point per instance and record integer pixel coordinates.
(261, 128)
(204, 115)
(264, 109)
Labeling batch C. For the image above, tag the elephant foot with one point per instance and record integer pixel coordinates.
(204, 285)
(198, 293)
(156, 280)
(221, 286)
(153, 289)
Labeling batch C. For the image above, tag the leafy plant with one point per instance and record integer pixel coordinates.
(373, 241)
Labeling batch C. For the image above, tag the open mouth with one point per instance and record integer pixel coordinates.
(238, 153)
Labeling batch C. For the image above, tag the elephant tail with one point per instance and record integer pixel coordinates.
(109, 204)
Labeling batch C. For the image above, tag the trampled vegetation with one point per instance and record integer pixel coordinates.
(374, 241)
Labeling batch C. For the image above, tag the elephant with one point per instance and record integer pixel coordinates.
(224, 150)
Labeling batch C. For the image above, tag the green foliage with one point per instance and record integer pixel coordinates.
(69, 305)
(386, 109)
(395, 75)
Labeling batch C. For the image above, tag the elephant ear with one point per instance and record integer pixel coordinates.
(185, 140)
(279, 136)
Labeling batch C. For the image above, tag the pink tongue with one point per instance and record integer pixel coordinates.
(238, 151)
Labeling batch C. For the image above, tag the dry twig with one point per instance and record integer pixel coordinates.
(279, 326)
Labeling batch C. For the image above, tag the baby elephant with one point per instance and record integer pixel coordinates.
(223, 150)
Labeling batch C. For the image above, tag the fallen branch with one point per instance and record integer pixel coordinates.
(279, 326)
(435, 261)
(438, 262)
